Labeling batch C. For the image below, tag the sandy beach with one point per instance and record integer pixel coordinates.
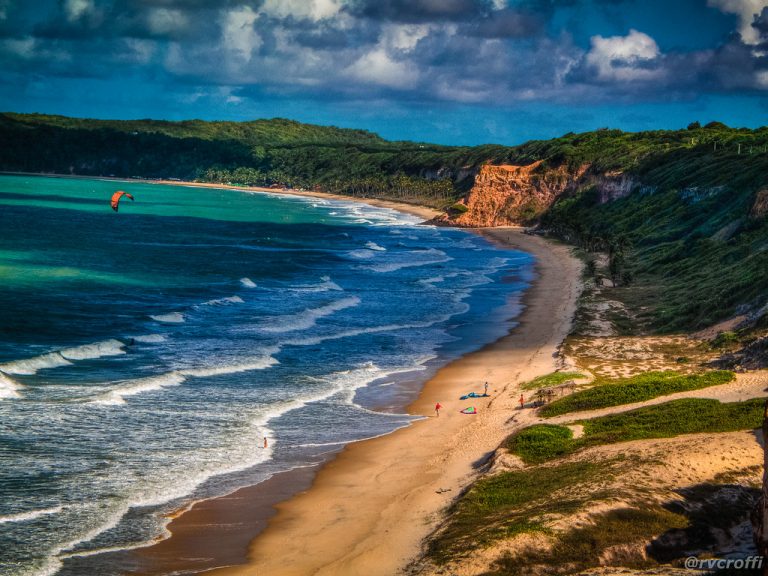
(424, 212)
(369, 508)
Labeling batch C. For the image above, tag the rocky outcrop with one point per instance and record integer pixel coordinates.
(507, 194)
(614, 185)
(760, 207)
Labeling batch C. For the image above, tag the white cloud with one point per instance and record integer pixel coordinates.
(76, 9)
(746, 10)
(240, 38)
(314, 9)
(138, 51)
(22, 47)
(404, 37)
(165, 20)
(376, 67)
(624, 58)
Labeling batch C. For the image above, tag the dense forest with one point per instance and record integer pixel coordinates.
(689, 233)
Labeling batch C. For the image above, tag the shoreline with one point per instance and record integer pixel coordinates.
(350, 513)
(417, 210)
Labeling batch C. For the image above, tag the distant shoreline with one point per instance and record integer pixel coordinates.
(418, 210)
(425, 212)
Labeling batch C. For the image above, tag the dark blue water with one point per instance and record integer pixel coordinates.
(145, 355)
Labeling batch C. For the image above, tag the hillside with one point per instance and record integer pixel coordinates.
(676, 218)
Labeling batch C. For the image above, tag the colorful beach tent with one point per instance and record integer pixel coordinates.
(116, 199)
(470, 410)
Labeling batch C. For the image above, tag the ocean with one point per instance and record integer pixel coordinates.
(146, 354)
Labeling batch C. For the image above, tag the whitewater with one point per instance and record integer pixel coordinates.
(145, 355)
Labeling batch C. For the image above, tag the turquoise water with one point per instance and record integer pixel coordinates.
(145, 355)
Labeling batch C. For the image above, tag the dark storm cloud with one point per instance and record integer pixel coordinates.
(508, 23)
(408, 50)
(420, 10)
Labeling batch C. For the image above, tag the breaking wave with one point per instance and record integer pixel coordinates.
(170, 318)
(307, 318)
(9, 388)
(110, 347)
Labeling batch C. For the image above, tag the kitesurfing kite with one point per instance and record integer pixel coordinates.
(116, 199)
(474, 395)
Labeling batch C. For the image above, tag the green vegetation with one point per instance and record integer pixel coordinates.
(544, 442)
(726, 340)
(509, 503)
(541, 442)
(678, 212)
(576, 550)
(635, 389)
(552, 379)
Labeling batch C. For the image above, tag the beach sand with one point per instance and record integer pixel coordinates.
(369, 508)
(424, 212)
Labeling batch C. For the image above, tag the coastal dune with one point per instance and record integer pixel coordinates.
(370, 508)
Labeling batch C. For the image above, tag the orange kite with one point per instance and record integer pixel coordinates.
(116, 198)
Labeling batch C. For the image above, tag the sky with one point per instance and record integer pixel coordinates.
(444, 71)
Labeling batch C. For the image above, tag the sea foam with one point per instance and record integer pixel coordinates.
(31, 515)
(170, 318)
(325, 285)
(307, 318)
(149, 338)
(30, 366)
(421, 258)
(9, 388)
(110, 347)
(128, 388)
(224, 301)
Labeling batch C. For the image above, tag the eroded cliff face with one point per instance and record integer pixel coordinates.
(760, 207)
(507, 195)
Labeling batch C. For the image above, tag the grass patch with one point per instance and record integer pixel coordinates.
(553, 379)
(635, 389)
(583, 548)
(544, 442)
(510, 503)
(541, 443)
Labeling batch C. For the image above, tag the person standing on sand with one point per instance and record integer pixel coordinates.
(265, 442)
(522, 402)
(437, 409)
(486, 389)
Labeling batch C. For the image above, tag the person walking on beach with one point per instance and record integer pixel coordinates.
(437, 409)
(522, 402)
(486, 389)
(265, 442)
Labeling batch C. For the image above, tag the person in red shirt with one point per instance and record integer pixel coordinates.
(437, 409)
(522, 401)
